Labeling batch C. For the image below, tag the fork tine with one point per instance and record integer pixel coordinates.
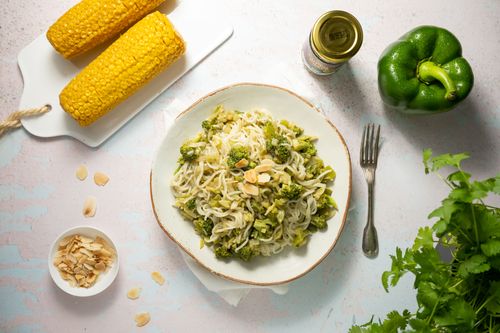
(366, 156)
(362, 151)
(376, 144)
(370, 143)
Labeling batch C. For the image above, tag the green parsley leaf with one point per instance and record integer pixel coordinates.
(476, 264)
(493, 301)
(441, 161)
(491, 247)
(459, 314)
(496, 184)
(424, 239)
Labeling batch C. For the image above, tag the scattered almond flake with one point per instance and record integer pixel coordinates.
(250, 176)
(100, 178)
(81, 172)
(77, 264)
(134, 293)
(158, 278)
(241, 163)
(263, 178)
(142, 319)
(267, 161)
(250, 189)
(89, 206)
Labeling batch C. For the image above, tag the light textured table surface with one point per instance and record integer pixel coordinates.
(40, 196)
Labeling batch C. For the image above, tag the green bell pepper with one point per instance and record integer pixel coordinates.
(424, 72)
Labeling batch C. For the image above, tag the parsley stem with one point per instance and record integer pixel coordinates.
(464, 234)
(432, 313)
(456, 284)
(484, 303)
(475, 224)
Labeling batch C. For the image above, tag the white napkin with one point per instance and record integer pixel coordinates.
(232, 292)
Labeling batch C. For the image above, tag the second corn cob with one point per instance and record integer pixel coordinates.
(92, 22)
(130, 62)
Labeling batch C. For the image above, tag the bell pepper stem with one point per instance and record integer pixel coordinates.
(428, 71)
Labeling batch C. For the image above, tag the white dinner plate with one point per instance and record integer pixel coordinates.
(282, 104)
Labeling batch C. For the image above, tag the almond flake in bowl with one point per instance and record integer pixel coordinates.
(83, 261)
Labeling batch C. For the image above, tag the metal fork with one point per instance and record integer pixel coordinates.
(368, 158)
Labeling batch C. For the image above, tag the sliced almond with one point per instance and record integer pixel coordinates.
(263, 168)
(250, 176)
(263, 178)
(241, 163)
(81, 172)
(100, 179)
(89, 207)
(86, 240)
(92, 277)
(66, 241)
(158, 278)
(134, 293)
(267, 161)
(100, 266)
(142, 319)
(250, 189)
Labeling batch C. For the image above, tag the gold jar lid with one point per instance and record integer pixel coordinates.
(336, 36)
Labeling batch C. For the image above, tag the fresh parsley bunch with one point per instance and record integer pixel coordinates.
(458, 296)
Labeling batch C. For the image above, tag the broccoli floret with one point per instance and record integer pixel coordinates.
(203, 227)
(330, 175)
(257, 207)
(264, 227)
(191, 204)
(207, 125)
(300, 237)
(222, 252)
(305, 146)
(246, 253)
(318, 221)
(296, 129)
(236, 154)
(291, 192)
(269, 130)
(279, 148)
(251, 165)
(325, 201)
(314, 167)
(188, 153)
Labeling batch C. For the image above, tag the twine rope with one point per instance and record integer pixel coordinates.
(14, 119)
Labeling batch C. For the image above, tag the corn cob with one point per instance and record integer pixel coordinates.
(129, 63)
(92, 22)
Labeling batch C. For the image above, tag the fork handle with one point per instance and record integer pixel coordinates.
(370, 239)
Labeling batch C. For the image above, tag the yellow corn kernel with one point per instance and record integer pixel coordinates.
(92, 22)
(129, 63)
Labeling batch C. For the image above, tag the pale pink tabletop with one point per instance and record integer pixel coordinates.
(40, 196)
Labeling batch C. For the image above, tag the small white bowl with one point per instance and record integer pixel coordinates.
(104, 280)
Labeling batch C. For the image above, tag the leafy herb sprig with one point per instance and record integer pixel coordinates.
(458, 296)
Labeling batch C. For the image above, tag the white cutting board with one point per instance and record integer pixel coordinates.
(45, 73)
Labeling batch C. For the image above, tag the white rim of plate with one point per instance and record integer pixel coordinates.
(344, 218)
